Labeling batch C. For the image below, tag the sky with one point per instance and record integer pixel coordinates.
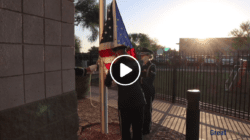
(169, 20)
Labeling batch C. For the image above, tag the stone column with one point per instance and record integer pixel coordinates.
(37, 78)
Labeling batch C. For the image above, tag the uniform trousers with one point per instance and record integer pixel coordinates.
(147, 115)
(134, 117)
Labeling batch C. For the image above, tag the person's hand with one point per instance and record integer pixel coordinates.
(91, 68)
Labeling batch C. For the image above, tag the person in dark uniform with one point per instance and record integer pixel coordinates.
(131, 99)
(248, 63)
(147, 78)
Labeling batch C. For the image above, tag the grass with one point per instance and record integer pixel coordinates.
(211, 85)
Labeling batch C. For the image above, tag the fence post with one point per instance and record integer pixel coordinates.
(174, 78)
(90, 58)
(193, 115)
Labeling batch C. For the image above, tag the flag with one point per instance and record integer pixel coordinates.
(112, 36)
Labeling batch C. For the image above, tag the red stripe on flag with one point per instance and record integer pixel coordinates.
(106, 53)
(132, 52)
(109, 52)
(108, 65)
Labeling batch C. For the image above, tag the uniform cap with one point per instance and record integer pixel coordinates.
(145, 51)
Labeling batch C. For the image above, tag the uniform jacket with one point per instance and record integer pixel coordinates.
(131, 96)
(147, 80)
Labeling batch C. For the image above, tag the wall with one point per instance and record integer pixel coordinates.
(37, 78)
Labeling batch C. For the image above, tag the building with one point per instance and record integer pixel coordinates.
(210, 45)
(38, 97)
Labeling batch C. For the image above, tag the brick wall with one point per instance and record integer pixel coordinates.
(36, 53)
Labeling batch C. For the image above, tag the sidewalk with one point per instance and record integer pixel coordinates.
(173, 116)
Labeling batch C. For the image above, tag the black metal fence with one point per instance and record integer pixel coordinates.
(224, 80)
(90, 58)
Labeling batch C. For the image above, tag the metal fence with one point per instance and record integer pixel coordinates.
(224, 80)
(82, 58)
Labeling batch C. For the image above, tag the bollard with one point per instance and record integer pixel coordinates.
(193, 115)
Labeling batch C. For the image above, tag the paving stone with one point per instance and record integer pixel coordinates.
(68, 80)
(33, 59)
(68, 11)
(34, 7)
(53, 9)
(52, 32)
(53, 83)
(11, 26)
(33, 29)
(34, 87)
(52, 58)
(14, 5)
(68, 57)
(10, 59)
(11, 91)
(68, 34)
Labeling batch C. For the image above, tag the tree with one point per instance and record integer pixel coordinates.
(77, 44)
(139, 40)
(242, 36)
(155, 46)
(87, 15)
(94, 50)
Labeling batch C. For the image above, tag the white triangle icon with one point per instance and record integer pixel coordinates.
(124, 70)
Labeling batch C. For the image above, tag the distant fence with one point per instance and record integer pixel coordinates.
(85, 59)
(224, 80)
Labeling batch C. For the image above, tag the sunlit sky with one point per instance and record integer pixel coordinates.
(169, 20)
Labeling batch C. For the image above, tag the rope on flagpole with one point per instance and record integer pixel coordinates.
(90, 84)
(90, 90)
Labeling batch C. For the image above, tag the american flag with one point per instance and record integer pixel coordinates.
(113, 36)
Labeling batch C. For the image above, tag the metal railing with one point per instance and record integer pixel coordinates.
(224, 88)
(81, 58)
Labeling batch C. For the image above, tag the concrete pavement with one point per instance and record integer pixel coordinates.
(173, 116)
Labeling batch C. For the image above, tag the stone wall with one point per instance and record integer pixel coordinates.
(37, 78)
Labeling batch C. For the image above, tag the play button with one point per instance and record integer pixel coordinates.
(125, 70)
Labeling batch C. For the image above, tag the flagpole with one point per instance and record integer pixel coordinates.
(114, 24)
(102, 88)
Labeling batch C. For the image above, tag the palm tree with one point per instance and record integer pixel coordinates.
(87, 16)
